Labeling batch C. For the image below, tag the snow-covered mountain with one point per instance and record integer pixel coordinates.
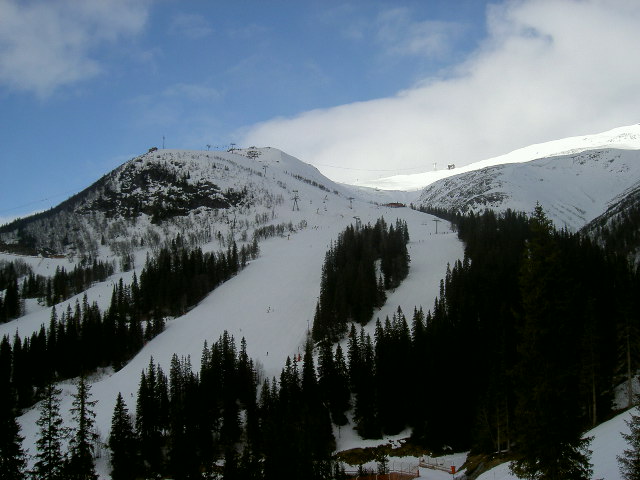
(574, 185)
(271, 302)
(165, 192)
(623, 138)
(573, 189)
(214, 198)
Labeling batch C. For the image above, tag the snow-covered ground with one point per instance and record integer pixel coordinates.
(623, 138)
(572, 189)
(607, 443)
(272, 301)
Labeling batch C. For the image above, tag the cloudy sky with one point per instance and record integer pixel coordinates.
(361, 89)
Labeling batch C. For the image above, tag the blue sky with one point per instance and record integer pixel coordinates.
(361, 89)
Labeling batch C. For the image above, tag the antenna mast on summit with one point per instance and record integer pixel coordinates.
(163, 142)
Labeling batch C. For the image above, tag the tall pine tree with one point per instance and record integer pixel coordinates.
(549, 429)
(122, 442)
(50, 460)
(12, 457)
(84, 437)
(629, 461)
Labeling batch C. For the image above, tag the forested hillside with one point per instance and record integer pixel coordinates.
(539, 327)
(523, 348)
(351, 288)
(532, 324)
(536, 326)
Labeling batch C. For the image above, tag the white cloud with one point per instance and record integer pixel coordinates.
(45, 45)
(547, 69)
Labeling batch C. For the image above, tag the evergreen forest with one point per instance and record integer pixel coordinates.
(48, 290)
(518, 355)
(80, 340)
(363, 263)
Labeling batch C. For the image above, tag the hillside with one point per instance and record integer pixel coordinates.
(272, 301)
(607, 443)
(165, 192)
(573, 189)
(214, 200)
(616, 229)
(622, 138)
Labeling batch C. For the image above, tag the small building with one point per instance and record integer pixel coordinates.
(394, 205)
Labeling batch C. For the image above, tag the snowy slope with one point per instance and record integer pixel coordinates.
(622, 138)
(271, 302)
(165, 192)
(607, 443)
(573, 188)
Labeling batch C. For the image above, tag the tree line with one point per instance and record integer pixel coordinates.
(51, 460)
(538, 327)
(226, 420)
(520, 353)
(351, 285)
(178, 277)
(81, 339)
(186, 422)
(49, 290)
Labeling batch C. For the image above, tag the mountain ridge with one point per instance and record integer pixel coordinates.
(573, 189)
(164, 192)
(625, 138)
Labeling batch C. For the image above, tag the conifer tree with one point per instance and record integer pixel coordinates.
(81, 448)
(629, 462)
(12, 300)
(49, 457)
(549, 427)
(340, 393)
(122, 443)
(12, 457)
(149, 420)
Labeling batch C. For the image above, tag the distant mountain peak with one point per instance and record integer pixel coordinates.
(623, 138)
(573, 188)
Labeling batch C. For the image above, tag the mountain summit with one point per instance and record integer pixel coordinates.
(165, 192)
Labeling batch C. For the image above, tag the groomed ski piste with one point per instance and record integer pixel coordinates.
(271, 304)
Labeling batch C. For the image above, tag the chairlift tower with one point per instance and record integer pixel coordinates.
(358, 223)
(296, 197)
(436, 220)
(351, 203)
